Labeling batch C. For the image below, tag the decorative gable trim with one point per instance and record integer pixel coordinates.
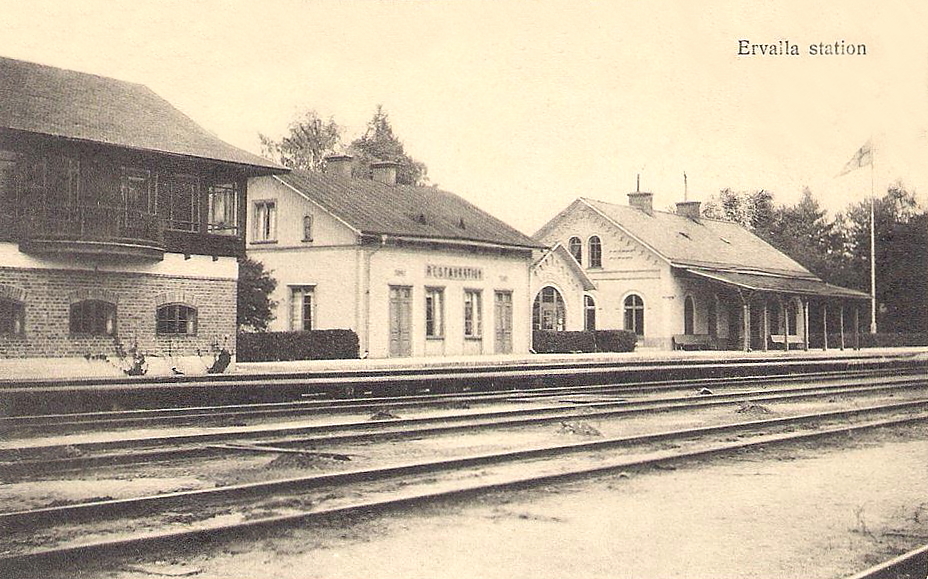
(619, 226)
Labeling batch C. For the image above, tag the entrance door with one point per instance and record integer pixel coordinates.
(400, 321)
(503, 311)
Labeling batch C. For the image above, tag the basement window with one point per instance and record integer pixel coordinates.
(176, 319)
(93, 318)
(12, 317)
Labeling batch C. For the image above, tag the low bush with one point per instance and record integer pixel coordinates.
(311, 345)
(552, 342)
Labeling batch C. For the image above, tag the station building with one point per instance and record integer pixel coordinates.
(680, 280)
(121, 222)
(414, 271)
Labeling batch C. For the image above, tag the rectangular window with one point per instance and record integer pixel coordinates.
(434, 312)
(12, 317)
(93, 317)
(307, 228)
(223, 209)
(265, 221)
(473, 314)
(301, 308)
(176, 319)
(179, 202)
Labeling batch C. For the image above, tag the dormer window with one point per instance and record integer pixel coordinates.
(575, 247)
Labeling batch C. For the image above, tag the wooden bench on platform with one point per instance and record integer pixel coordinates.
(695, 342)
(792, 339)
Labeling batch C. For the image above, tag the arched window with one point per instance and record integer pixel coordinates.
(548, 312)
(93, 317)
(12, 317)
(575, 246)
(307, 228)
(689, 315)
(634, 314)
(176, 319)
(596, 252)
(589, 313)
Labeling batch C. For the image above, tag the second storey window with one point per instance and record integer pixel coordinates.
(596, 252)
(575, 246)
(223, 209)
(265, 221)
(12, 317)
(434, 312)
(307, 228)
(473, 314)
(179, 202)
(176, 319)
(93, 317)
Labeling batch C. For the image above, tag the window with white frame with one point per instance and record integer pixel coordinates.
(575, 246)
(302, 302)
(596, 252)
(223, 209)
(473, 314)
(634, 314)
(265, 221)
(434, 312)
(589, 313)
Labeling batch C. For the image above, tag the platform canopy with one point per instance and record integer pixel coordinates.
(762, 282)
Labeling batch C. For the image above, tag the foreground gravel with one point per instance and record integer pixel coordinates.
(822, 510)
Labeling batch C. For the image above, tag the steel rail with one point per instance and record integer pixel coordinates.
(108, 508)
(140, 416)
(912, 564)
(74, 554)
(394, 429)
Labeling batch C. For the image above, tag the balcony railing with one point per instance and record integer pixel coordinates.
(93, 229)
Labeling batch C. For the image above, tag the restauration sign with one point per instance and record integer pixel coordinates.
(454, 272)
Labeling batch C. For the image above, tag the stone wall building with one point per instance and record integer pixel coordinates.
(121, 222)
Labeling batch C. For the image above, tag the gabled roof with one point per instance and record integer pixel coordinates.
(426, 213)
(53, 101)
(701, 243)
(568, 258)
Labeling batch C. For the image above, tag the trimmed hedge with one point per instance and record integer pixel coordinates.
(311, 345)
(552, 342)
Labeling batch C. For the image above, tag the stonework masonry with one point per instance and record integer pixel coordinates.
(48, 294)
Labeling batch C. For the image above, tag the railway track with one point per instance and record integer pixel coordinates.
(74, 534)
(42, 460)
(165, 416)
(910, 565)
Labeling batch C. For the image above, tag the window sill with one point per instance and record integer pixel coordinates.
(474, 338)
(264, 242)
(435, 338)
(307, 240)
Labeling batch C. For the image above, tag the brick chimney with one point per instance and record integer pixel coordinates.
(339, 166)
(689, 209)
(642, 201)
(384, 172)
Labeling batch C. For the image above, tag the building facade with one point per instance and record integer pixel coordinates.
(680, 280)
(121, 222)
(414, 271)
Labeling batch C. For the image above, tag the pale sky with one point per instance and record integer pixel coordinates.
(520, 106)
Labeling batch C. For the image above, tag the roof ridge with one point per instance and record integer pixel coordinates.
(75, 72)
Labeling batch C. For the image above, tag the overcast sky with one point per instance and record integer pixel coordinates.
(522, 107)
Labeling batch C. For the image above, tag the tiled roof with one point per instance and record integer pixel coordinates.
(54, 101)
(404, 210)
(706, 242)
(778, 284)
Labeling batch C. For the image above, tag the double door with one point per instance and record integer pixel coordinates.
(400, 321)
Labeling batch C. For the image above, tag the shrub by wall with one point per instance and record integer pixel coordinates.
(551, 342)
(311, 345)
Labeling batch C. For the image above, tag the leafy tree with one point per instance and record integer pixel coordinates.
(752, 210)
(901, 257)
(378, 143)
(309, 140)
(255, 285)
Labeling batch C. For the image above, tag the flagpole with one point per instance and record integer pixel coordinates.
(872, 247)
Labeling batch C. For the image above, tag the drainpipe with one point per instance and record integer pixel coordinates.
(367, 295)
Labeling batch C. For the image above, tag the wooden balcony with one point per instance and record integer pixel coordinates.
(112, 232)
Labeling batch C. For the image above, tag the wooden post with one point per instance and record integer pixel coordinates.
(784, 324)
(825, 325)
(766, 326)
(841, 321)
(746, 323)
(856, 327)
(805, 323)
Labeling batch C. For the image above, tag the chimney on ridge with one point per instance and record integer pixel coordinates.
(384, 172)
(689, 209)
(643, 201)
(338, 166)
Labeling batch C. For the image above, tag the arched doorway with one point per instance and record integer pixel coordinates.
(689, 316)
(548, 311)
